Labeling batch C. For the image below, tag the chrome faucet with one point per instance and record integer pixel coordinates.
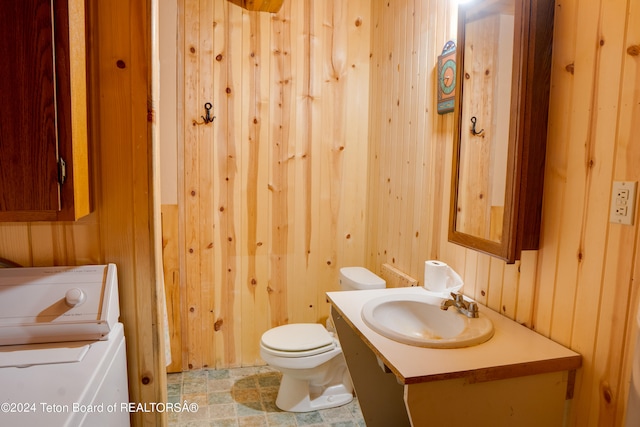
(469, 309)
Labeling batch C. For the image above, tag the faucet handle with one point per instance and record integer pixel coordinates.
(472, 310)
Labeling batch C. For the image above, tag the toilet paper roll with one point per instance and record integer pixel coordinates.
(439, 277)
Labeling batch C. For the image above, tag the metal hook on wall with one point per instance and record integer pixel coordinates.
(207, 118)
(473, 127)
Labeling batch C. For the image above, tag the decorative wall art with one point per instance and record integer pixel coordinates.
(447, 78)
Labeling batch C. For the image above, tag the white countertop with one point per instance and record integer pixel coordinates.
(513, 351)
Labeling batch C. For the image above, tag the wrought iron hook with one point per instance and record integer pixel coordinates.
(208, 118)
(473, 127)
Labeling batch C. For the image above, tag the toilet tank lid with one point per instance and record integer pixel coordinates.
(362, 275)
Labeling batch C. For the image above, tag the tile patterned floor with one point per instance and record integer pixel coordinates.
(245, 397)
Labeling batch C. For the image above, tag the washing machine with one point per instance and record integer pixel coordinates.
(62, 349)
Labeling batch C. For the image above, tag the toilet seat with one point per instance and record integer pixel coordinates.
(297, 340)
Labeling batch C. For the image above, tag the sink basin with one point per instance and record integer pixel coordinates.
(418, 320)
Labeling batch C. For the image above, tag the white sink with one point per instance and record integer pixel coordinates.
(418, 320)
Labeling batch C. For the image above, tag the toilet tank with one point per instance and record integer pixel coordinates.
(359, 278)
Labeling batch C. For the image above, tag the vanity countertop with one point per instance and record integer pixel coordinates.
(513, 351)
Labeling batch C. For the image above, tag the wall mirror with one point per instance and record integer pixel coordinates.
(504, 66)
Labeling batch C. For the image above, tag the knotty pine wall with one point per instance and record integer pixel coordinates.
(271, 196)
(580, 288)
(120, 229)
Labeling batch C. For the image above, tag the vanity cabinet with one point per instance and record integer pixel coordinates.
(43, 114)
(502, 98)
(517, 378)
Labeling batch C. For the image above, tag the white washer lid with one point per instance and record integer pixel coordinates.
(297, 337)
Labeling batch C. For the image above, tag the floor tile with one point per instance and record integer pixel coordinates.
(245, 397)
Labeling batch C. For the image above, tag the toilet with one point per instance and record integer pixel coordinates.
(314, 372)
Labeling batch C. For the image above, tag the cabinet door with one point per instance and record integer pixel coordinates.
(28, 146)
(39, 110)
(502, 87)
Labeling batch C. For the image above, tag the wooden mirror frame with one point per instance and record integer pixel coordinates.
(533, 28)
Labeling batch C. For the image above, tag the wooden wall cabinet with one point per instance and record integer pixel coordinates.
(43, 114)
(502, 83)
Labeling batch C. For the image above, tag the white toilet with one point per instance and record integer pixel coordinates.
(314, 373)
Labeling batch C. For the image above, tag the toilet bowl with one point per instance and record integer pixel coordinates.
(314, 372)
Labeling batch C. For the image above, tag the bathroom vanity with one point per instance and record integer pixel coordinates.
(516, 378)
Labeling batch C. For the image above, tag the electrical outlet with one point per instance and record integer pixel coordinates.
(622, 195)
(623, 202)
(621, 211)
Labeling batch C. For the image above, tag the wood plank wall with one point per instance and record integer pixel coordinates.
(410, 143)
(272, 194)
(581, 287)
(120, 228)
